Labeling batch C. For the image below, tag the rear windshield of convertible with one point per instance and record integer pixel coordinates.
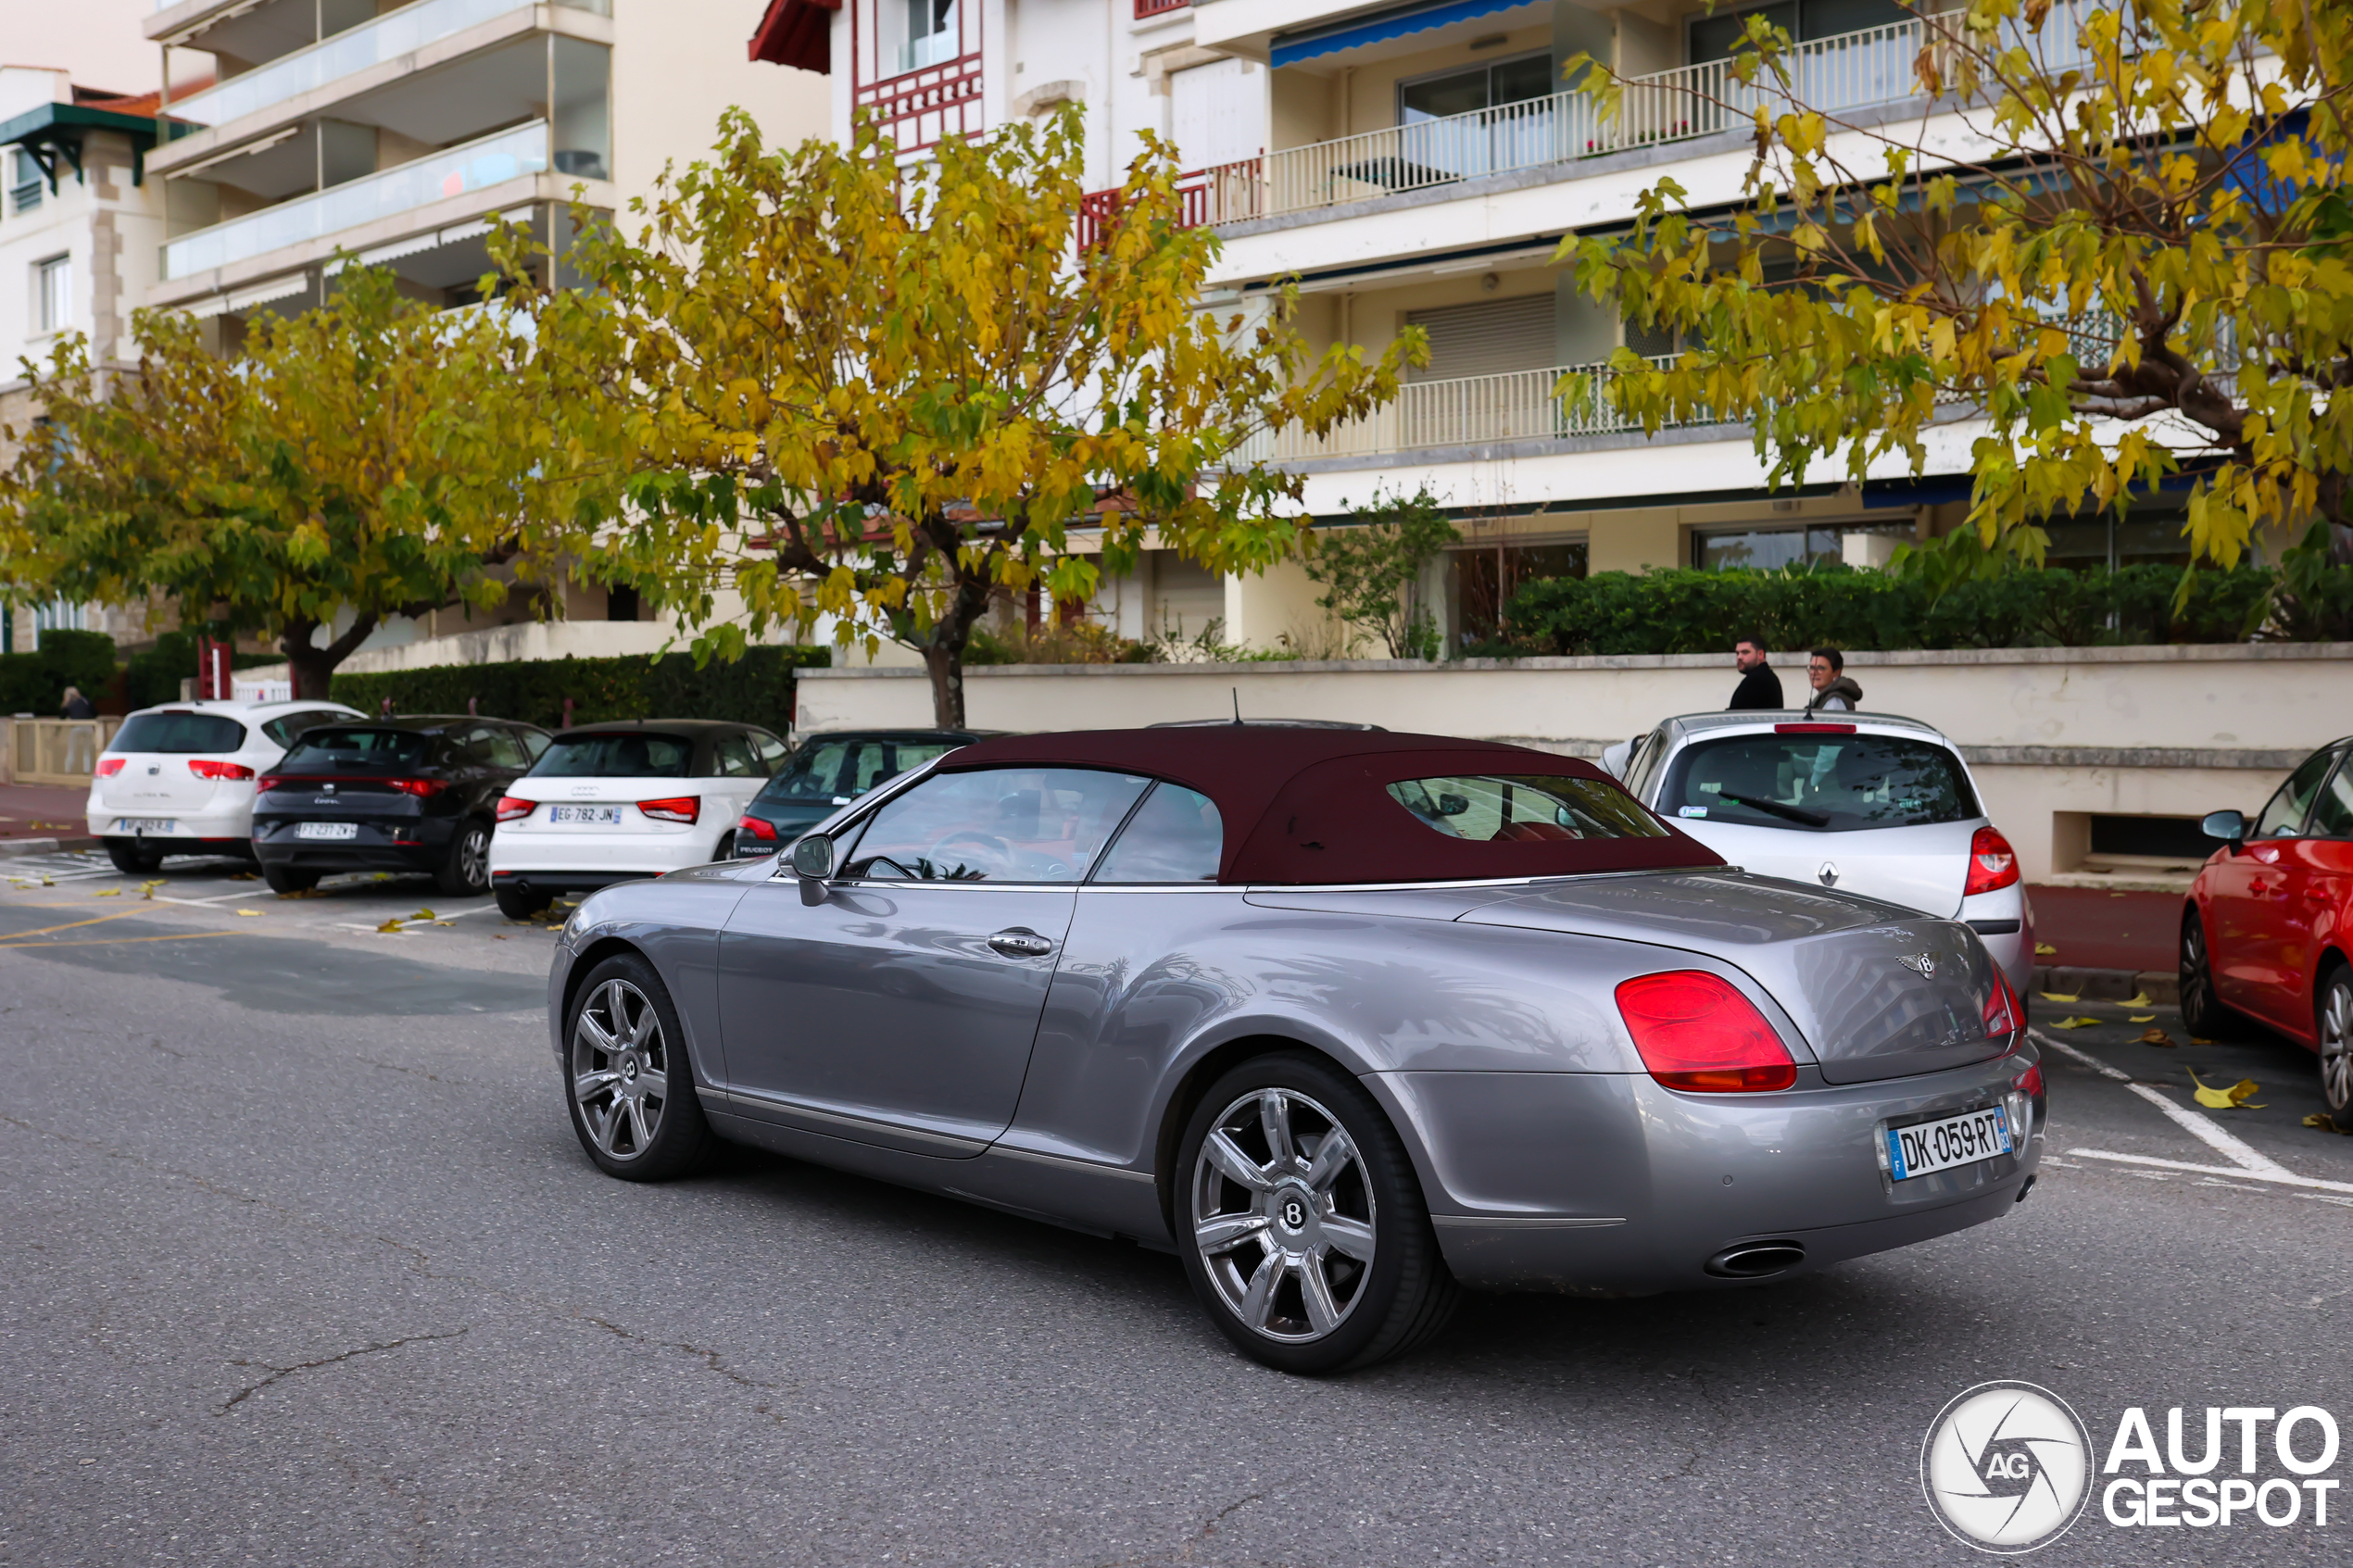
(1511, 807)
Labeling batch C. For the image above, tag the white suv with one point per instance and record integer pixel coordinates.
(178, 779)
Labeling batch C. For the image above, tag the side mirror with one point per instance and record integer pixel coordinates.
(813, 861)
(1453, 805)
(2230, 825)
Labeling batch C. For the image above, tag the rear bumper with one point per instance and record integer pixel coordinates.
(156, 844)
(1608, 1183)
(208, 824)
(614, 856)
(403, 844)
(565, 881)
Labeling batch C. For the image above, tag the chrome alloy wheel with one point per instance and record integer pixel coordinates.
(2336, 1046)
(474, 857)
(1282, 1216)
(620, 1068)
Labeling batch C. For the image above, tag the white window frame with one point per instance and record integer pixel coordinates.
(53, 293)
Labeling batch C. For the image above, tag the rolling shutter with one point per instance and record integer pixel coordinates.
(1491, 338)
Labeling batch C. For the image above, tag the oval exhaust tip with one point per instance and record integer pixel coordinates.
(1756, 1259)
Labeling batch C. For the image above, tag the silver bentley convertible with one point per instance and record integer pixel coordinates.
(1350, 1020)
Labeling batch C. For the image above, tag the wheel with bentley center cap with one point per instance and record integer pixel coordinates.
(1300, 1223)
(631, 1087)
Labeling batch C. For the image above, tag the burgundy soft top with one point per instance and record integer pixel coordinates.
(1305, 806)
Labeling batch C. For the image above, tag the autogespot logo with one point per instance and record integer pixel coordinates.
(2006, 1467)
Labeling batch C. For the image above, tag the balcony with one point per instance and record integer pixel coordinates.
(345, 53)
(478, 165)
(1845, 71)
(1226, 194)
(1465, 412)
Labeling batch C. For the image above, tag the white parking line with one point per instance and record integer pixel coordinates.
(2246, 1162)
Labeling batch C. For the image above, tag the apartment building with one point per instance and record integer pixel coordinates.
(79, 223)
(1418, 164)
(398, 134)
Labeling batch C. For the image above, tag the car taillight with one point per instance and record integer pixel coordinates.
(418, 787)
(1696, 1032)
(1813, 729)
(2030, 1083)
(1992, 862)
(512, 810)
(674, 808)
(206, 770)
(269, 780)
(2001, 1009)
(109, 766)
(760, 830)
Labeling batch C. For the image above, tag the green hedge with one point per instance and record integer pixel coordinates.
(757, 689)
(1695, 611)
(35, 683)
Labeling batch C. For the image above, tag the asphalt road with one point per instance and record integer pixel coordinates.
(305, 1267)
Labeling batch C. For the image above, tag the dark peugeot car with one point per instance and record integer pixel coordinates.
(393, 794)
(830, 771)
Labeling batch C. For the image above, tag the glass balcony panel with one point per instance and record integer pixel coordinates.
(389, 36)
(452, 172)
(583, 116)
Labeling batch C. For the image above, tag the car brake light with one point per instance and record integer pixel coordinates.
(1813, 729)
(1993, 864)
(2030, 1083)
(418, 787)
(512, 810)
(2001, 1009)
(758, 829)
(208, 770)
(109, 766)
(1696, 1032)
(674, 808)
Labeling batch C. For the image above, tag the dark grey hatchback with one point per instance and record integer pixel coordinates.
(393, 794)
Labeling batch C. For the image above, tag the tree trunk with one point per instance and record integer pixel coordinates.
(313, 669)
(947, 668)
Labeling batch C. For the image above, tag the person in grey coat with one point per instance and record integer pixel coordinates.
(1833, 691)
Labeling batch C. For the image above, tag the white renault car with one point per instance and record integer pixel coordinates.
(610, 803)
(1865, 803)
(177, 778)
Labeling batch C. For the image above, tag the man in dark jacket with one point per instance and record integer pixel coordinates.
(1760, 687)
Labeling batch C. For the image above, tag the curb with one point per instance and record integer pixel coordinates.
(2160, 985)
(14, 848)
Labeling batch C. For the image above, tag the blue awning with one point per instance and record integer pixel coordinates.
(1290, 48)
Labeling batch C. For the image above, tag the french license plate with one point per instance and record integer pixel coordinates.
(326, 830)
(608, 814)
(146, 825)
(1926, 1147)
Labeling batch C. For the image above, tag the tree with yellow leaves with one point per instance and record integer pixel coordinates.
(371, 458)
(878, 394)
(2116, 235)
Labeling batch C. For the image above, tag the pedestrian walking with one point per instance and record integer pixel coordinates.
(1760, 683)
(82, 746)
(1834, 691)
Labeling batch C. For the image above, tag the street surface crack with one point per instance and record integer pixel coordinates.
(276, 1372)
(708, 1358)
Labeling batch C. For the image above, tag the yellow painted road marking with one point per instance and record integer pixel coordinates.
(119, 914)
(112, 941)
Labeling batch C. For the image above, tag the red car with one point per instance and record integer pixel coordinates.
(2268, 931)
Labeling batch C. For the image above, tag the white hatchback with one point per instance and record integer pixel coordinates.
(1864, 803)
(610, 803)
(177, 778)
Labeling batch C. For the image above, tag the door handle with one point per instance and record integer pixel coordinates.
(1021, 942)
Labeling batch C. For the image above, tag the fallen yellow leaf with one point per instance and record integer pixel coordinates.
(2061, 996)
(2137, 999)
(2044, 950)
(2156, 1037)
(2075, 1023)
(303, 893)
(255, 913)
(2224, 1099)
(147, 890)
(2195, 1041)
(107, 893)
(2142, 1018)
(389, 925)
(422, 914)
(2326, 1123)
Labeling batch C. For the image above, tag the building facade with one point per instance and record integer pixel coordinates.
(1418, 164)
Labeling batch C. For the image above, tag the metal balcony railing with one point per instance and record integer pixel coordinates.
(475, 166)
(1848, 70)
(1226, 194)
(1148, 9)
(1463, 412)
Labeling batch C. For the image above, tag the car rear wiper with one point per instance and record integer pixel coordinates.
(1795, 813)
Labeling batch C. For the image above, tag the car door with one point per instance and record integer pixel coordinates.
(2253, 924)
(901, 1009)
(2316, 887)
